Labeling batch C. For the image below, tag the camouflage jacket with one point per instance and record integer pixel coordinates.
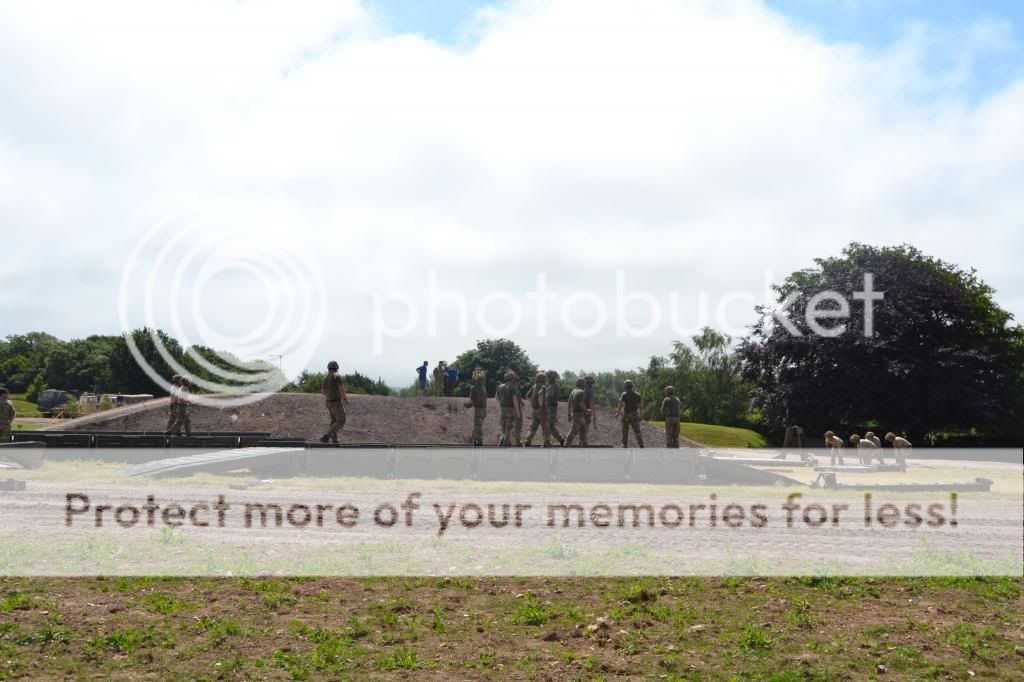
(7, 413)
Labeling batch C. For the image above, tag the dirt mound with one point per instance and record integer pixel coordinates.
(371, 419)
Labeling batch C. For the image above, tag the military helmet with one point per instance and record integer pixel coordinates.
(552, 375)
(590, 380)
(854, 439)
(176, 378)
(890, 436)
(869, 434)
(669, 390)
(510, 375)
(627, 385)
(541, 378)
(580, 383)
(479, 374)
(332, 366)
(830, 434)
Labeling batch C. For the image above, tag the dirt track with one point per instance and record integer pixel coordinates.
(371, 419)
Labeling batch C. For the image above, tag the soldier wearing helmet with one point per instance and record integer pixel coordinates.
(539, 413)
(589, 402)
(670, 412)
(630, 408)
(553, 392)
(333, 390)
(517, 394)
(7, 415)
(478, 401)
(578, 414)
(506, 397)
(182, 420)
(172, 415)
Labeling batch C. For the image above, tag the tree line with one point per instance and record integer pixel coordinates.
(944, 362)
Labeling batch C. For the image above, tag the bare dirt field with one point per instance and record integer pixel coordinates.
(371, 419)
(672, 628)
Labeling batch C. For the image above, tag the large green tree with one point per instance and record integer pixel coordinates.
(495, 356)
(942, 355)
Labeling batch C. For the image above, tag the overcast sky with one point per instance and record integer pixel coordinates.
(344, 151)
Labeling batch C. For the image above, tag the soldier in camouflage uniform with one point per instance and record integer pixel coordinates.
(505, 395)
(539, 416)
(670, 408)
(334, 393)
(578, 414)
(552, 392)
(589, 402)
(630, 408)
(181, 421)
(478, 401)
(7, 415)
(517, 394)
(172, 413)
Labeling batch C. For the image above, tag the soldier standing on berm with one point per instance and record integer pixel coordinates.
(478, 401)
(670, 413)
(630, 407)
(579, 414)
(552, 391)
(334, 392)
(539, 404)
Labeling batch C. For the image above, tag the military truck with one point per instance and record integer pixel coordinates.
(51, 401)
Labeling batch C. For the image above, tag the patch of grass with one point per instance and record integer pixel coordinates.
(17, 601)
(755, 639)
(23, 407)
(400, 658)
(217, 629)
(531, 612)
(166, 604)
(718, 436)
(129, 640)
(973, 641)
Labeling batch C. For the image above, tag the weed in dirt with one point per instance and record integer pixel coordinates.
(165, 604)
(755, 639)
(531, 612)
(129, 640)
(974, 642)
(217, 629)
(17, 601)
(438, 622)
(400, 658)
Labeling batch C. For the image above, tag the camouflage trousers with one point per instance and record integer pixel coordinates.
(580, 425)
(479, 415)
(539, 420)
(5, 434)
(671, 432)
(553, 422)
(517, 427)
(180, 420)
(336, 410)
(631, 420)
(508, 422)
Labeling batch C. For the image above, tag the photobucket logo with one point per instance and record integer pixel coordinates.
(635, 313)
(173, 271)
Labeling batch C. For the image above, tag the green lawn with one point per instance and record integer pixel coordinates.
(24, 407)
(719, 436)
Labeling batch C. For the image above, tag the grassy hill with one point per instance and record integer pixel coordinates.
(719, 436)
(24, 407)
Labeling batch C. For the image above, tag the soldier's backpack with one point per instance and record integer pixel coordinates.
(535, 398)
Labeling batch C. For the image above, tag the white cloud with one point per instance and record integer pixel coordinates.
(694, 143)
